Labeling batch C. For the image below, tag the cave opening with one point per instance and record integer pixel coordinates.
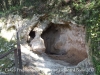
(31, 36)
(63, 43)
(50, 35)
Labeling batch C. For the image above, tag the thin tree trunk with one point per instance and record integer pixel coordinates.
(1, 5)
(7, 4)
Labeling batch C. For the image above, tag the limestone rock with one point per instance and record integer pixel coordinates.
(23, 26)
(62, 41)
(37, 43)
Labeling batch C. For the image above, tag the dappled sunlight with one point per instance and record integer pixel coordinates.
(47, 65)
(24, 49)
(1, 23)
(9, 35)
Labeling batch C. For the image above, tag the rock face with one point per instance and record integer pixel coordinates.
(66, 42)
(62, 40)
(57, 48)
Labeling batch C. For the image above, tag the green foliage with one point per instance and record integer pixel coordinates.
(92, 21)
(5, 46)
(97, 65)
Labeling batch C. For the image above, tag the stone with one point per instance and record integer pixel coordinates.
(37, 43)
(61, 40)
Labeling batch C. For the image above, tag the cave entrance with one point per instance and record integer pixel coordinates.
(31, 36)
(50, 35)
(65, 43)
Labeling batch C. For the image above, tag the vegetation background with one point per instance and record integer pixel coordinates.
(84, 12)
